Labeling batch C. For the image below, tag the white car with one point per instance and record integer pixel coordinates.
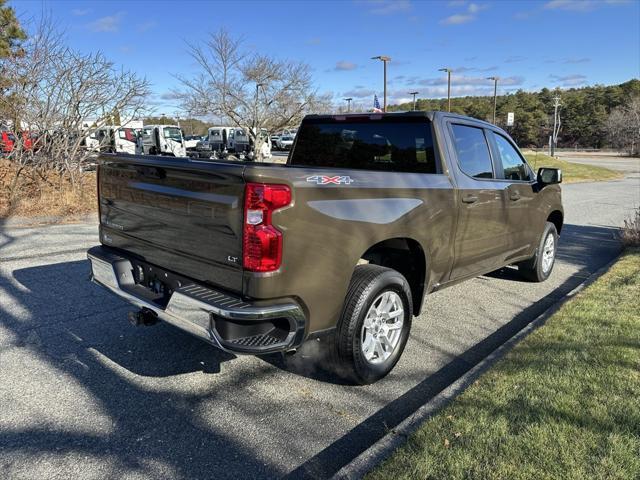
(285, 142)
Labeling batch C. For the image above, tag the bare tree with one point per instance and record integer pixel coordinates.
(54, 97)
(252, 91)
(623, 126)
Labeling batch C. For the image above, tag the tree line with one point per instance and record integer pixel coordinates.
(592, 117)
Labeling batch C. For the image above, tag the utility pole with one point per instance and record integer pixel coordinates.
(414, 99)
(348, 100)
(495, 96)
(384, 60)
(448, 70)
(556, 124)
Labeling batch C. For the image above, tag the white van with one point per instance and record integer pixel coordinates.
(161, 140)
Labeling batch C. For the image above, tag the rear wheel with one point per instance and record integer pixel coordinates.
(538, 268)
(374, 326)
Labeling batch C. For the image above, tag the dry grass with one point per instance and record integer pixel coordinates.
(572, 172)
(45, 193)
(630, 233)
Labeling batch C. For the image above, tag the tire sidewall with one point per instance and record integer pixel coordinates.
(549, 230)
(388, 281)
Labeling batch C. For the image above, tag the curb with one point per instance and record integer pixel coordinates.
(383, 448)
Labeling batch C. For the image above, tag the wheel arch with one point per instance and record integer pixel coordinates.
(405, 255)
(557, 218)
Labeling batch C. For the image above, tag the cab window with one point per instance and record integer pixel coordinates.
(473, 151)
(514, 166)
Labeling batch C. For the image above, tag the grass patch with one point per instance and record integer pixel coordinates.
(45, 193)
(564, 403)
(572, 172)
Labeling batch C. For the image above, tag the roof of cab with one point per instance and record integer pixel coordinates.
(430, 114)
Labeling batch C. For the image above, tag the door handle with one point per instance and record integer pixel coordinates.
(514, 196)
(469, 198)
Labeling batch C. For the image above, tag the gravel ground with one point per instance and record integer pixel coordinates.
(84, 394)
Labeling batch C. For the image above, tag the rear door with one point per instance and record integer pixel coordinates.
(481, 237)
(180, 214)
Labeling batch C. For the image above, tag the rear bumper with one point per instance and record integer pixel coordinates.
(216, 317)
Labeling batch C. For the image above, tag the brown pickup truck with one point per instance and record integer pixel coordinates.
(370, 213)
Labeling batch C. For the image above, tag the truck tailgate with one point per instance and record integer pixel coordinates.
(183, 215)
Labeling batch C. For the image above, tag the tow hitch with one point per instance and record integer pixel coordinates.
(143, 318)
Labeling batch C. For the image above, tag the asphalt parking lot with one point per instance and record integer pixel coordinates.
(84, 394)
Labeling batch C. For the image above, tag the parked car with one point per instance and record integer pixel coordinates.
(370, 214)
(161, 140)
(8, 141)
(285, 142)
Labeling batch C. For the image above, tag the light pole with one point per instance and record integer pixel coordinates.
(414, 99)
(448, 70)
(348, 100)
(384, 60)
(495, 96)
(163, 116)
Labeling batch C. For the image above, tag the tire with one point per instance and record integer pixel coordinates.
(540, 266)
(370, 285)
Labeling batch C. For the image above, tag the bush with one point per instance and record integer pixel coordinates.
(630, 233)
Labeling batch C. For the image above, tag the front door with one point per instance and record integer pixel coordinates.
(520, 197)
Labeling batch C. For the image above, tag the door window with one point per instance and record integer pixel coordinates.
(473, 151)
(513, 164)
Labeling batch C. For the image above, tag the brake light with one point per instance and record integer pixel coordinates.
(261, 241)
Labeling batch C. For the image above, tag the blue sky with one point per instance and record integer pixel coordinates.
(528, 44)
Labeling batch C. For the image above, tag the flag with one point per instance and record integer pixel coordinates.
(376, 104)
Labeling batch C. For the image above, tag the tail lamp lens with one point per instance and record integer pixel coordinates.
(262, 242)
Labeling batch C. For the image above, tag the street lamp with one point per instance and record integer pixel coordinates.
(163, 116)
(448, 70)
(384, 60)
(414, 98)
(348, 100)
(495, 96)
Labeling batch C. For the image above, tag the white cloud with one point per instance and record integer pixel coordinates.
(359, 93)
(389, 7)
(469, 81)
(80, 12)
(343, 65)
(458, 19)
(581, 5)
(469, 15)
(573, 60)
(569, 80)
(110, 23)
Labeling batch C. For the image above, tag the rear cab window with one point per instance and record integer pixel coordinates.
(394, 144)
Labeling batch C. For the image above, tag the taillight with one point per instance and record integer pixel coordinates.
(262, 242)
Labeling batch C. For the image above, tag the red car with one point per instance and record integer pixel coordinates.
(8, 141)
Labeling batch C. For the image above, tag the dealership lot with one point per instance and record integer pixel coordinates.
(85, 394)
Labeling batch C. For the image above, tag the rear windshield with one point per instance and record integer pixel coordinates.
(391, 144)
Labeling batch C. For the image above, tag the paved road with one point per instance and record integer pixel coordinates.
(83, 394)
(623, 164)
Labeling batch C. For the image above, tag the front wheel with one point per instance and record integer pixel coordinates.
(374, 325)
(538, 268)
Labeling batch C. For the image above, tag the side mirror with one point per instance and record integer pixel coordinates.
(549, 176)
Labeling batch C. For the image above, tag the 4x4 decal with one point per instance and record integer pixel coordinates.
(327, 180)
